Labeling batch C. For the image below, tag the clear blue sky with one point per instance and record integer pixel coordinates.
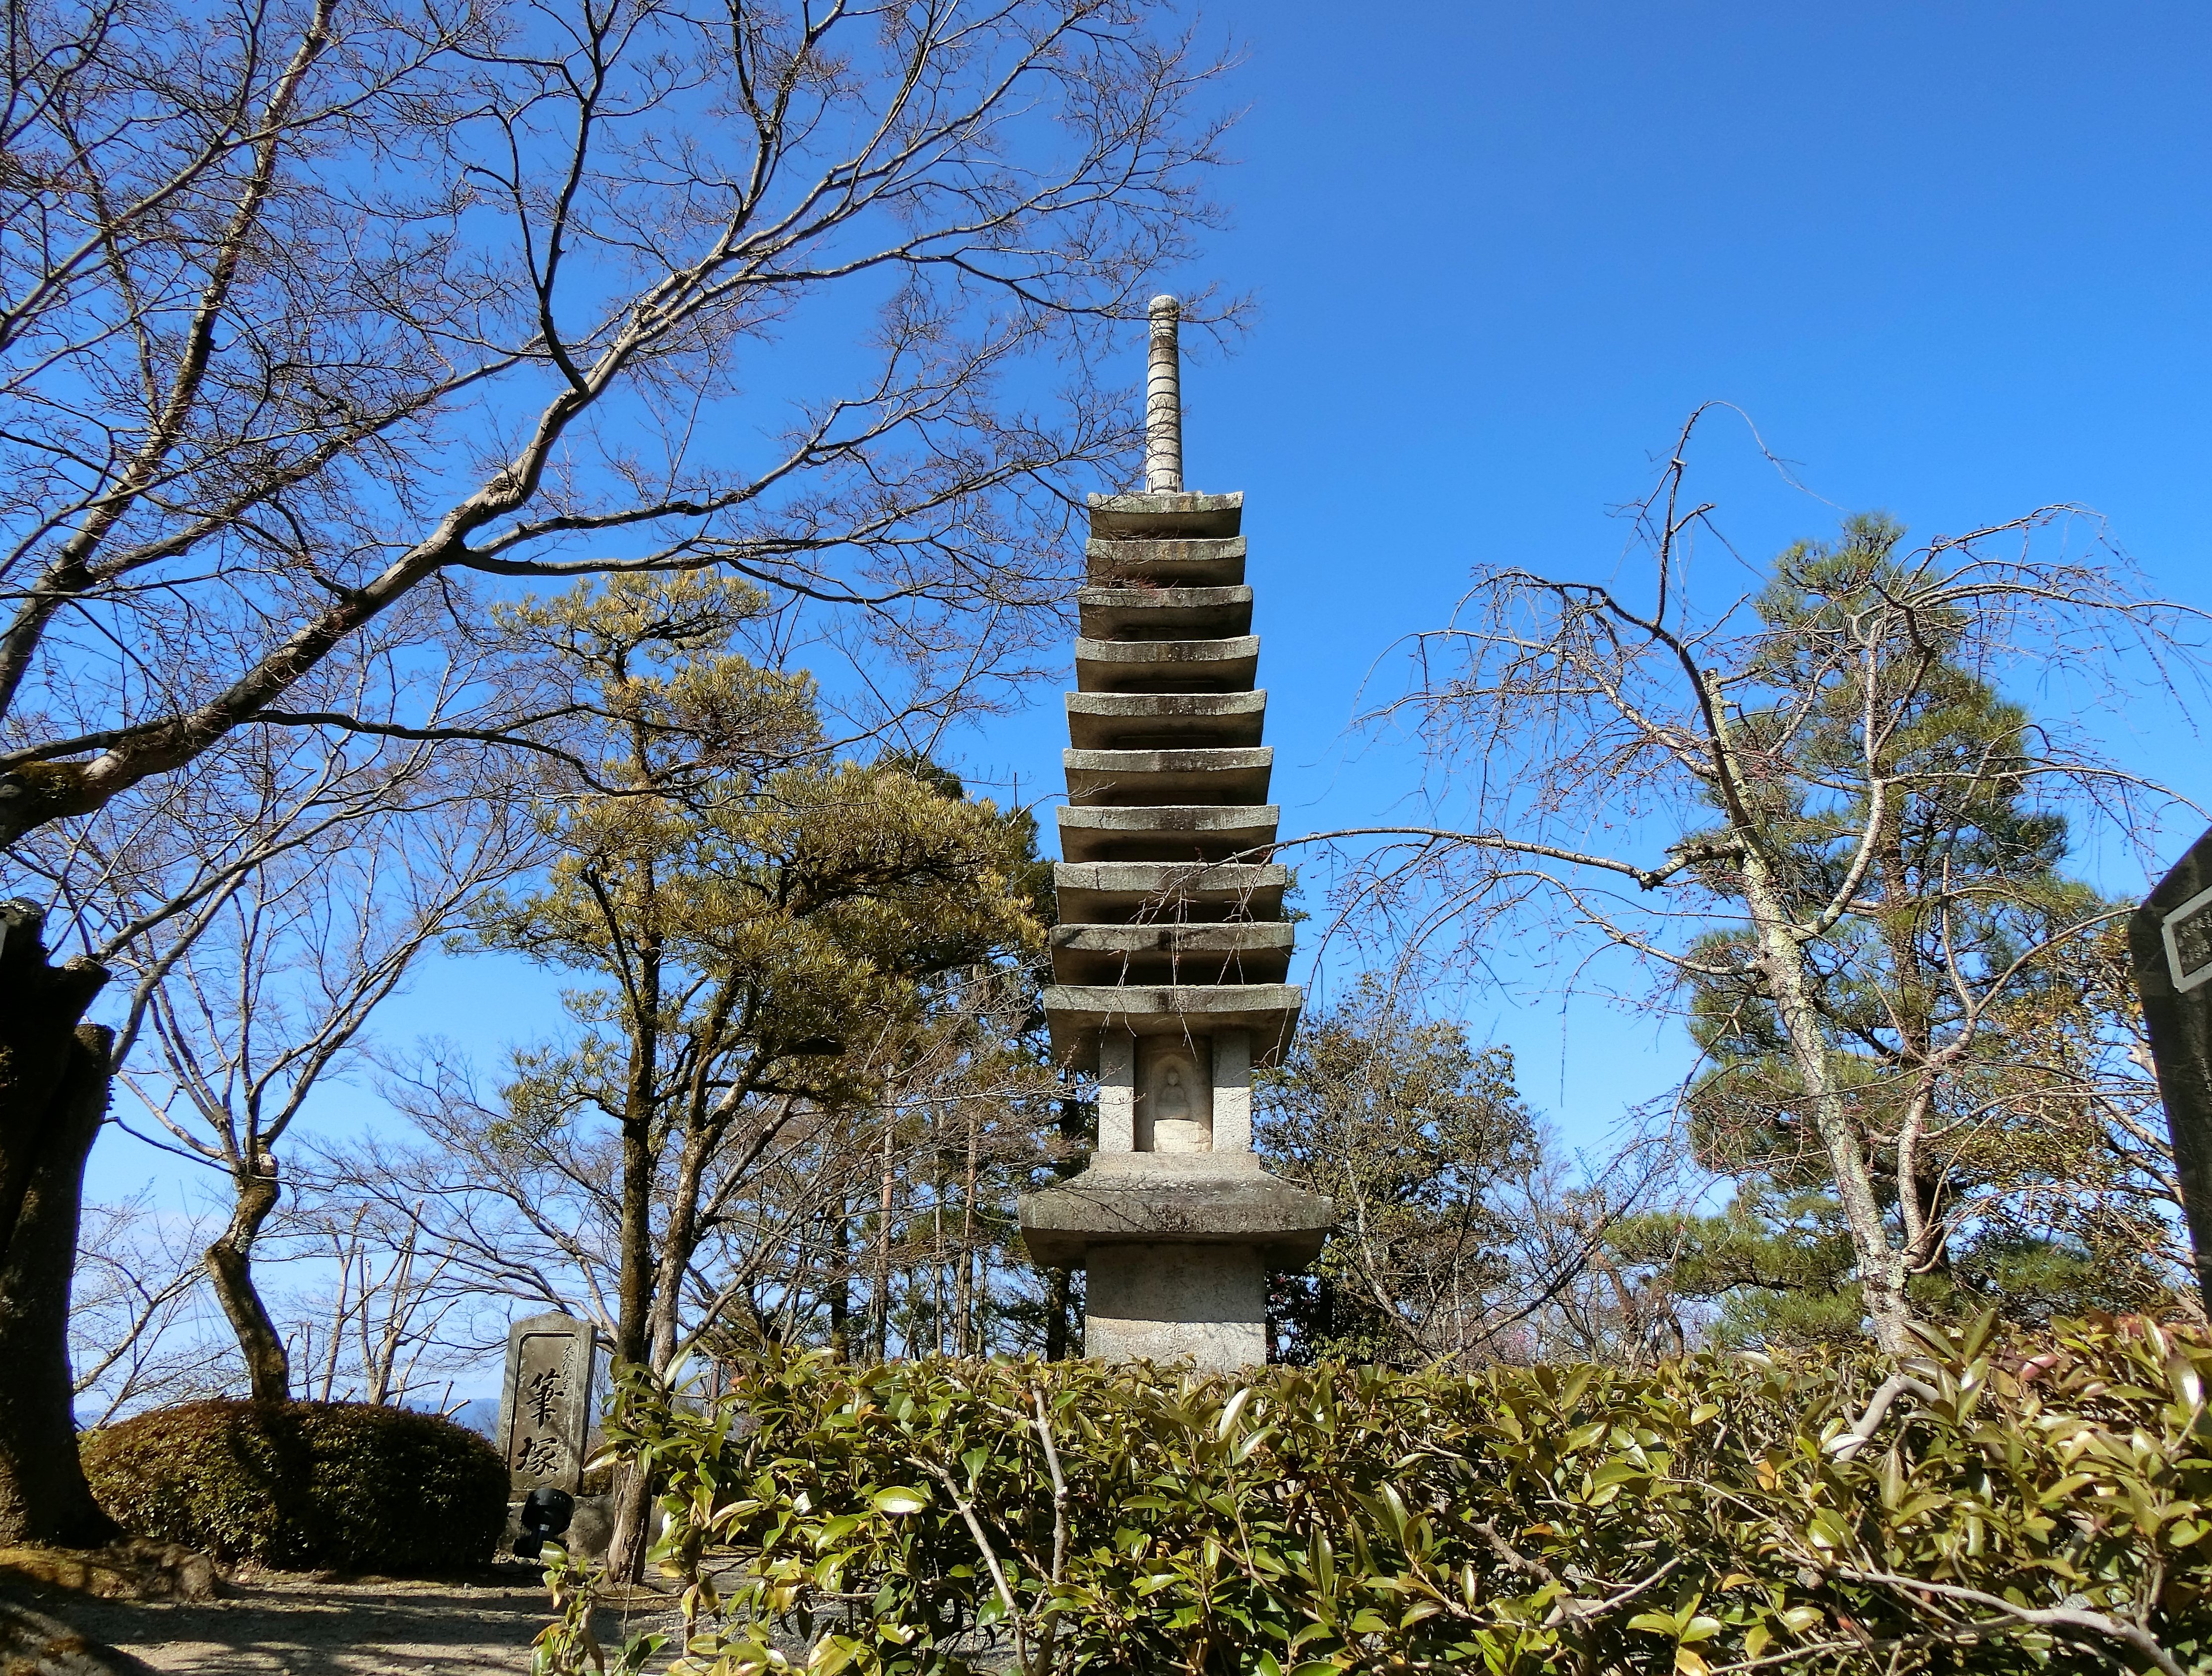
(1951, 258)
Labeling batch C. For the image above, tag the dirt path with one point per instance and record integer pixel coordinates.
(286, 1626)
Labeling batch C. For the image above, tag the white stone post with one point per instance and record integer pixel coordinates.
(1117, 1092)
(1232, 1091)
(1164, 402)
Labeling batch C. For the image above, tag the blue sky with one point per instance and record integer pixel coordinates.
(1950, 260)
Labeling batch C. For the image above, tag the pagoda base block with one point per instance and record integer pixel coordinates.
(1204, 1304)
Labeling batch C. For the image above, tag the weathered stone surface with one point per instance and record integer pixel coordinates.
(1232, 1091)
(1076, 1013)
(1173, 1083)
(2170, 945)
(1170, 833)
(545, 1405)
(1191, 775)
(1164, 613)
(1198, 1199)
(1201, 562)
(1202, 1304)
(1124, 892)
(1246, 952)
(1167, 666)
(1121, 517)
(1164, 721)
(591, 1529)
(1164, 398)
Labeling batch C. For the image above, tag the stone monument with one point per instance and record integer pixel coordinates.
(1172, 951)
(545, 1406)
(2170, 946)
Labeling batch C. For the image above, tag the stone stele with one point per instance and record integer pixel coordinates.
(2170, 946)
(1172, 951)
(545, 1406)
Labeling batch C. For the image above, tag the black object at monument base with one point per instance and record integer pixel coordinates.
(545, 1513)
(2170, 946)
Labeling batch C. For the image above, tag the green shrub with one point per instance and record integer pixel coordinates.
(351, 1485)
(2011, 1507)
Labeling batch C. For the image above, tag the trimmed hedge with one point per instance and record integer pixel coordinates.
(352, 1486)
(2000, 1505)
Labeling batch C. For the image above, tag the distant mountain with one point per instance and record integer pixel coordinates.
(479, 1414)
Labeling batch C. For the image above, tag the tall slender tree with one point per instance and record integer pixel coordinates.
(1797, 780)
(759, 920)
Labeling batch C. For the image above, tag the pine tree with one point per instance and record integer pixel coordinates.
(1979, 1045)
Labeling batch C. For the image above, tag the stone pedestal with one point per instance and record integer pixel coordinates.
(1207, 1304)
(1170, 956)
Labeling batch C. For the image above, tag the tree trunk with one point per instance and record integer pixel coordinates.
(1055, 1322)
(53, 1093)
(680, 1244)
(1781, 962)
(940, 1310)
(230, 1265)
(1914, 1010)
(663, 1292)
(626, 1553)
(1781, 965)
(1062, 1328)
(840, 1280)
(634, 1283)
(633, 1302)
(964, 1312)
(657, 1293)
(883, 1298)
(632, 1522)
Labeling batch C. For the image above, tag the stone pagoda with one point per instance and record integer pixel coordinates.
(1169, 958)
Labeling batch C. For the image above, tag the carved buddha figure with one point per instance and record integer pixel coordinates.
(1175, 1098)
(1179, 1112)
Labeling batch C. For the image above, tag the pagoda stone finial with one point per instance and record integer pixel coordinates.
(1171, 954)
(1164, 401)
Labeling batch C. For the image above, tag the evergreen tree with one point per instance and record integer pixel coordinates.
(1964, 1010)
(1409, 1127)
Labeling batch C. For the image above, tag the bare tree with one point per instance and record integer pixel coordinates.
(1465, 1235)
(384, 1323)
(270, 996)
(247, 352)
(1573, 1298)
(532, 1212)
(1410, 1129)
(1720, 794)
(313, 314)
(136, 1338)
(131, 888)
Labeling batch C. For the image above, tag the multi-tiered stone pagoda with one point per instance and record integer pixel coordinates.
(1170, 956)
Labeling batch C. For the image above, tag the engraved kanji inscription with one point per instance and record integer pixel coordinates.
(542, 1395)
(539, 1457)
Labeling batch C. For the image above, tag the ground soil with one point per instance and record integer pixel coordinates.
(277, 1624)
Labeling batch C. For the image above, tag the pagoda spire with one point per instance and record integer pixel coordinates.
(1164, 400)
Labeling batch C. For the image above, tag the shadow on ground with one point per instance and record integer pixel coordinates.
(277, 1624)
